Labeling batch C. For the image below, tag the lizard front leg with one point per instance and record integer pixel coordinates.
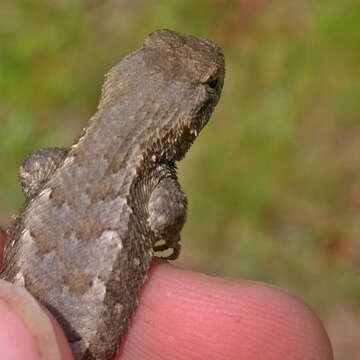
(37, 168)
(167, 212)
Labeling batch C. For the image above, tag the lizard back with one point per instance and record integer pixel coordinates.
(84, 242)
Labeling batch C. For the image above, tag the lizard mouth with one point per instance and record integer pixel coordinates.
(187, 137)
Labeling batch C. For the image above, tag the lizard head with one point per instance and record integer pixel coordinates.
(192, 72)
(186, 59)
(177, 80)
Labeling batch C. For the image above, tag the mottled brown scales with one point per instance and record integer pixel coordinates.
(57, 195)
(44, 243)
(115, 164)
(79, 158)
(88, 229)
(78, 284)
(96, 213)
(99, 191)
(35, 289)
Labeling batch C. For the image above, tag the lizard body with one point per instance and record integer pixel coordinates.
(94, 214)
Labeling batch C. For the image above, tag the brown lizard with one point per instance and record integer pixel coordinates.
(95, 213)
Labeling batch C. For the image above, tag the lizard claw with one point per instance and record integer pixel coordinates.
(174, 246)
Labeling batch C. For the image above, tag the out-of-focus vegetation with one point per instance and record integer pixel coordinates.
(274, 179)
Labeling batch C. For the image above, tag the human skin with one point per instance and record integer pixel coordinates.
(188, 315)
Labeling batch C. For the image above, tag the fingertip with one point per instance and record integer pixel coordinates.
(193, 315)
(13, 332)
(287, 324)
(23, 321)
(302, 325)
(2, 243)
(62, 342)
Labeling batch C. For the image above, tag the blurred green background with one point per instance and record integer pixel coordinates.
(273, 181)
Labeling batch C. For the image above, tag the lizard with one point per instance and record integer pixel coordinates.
(96, 213)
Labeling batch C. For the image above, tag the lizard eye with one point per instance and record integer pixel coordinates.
(211, 85)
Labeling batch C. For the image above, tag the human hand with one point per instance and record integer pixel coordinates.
(188, 315)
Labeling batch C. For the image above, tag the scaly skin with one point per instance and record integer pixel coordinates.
(84, 240)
